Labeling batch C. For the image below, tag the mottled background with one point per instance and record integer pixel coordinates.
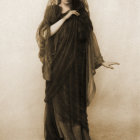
(115, 111)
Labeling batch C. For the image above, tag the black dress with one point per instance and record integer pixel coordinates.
(65, 111)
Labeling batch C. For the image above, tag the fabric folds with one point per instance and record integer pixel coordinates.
(69, 61)
(47, 46)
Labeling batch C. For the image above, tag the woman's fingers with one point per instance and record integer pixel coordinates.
(108, 66)
(111, 67)
(114, 63)
(70, 13)
(75, 12)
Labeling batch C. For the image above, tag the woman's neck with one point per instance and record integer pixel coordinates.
(65, 7)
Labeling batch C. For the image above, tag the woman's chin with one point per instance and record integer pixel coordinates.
(67, 3)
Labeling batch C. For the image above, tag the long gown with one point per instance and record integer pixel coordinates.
(65, 114)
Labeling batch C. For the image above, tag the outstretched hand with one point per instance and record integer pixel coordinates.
(109, 64)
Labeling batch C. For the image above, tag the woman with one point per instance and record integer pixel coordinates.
(70, 55)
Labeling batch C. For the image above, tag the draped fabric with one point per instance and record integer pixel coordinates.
(69, 59)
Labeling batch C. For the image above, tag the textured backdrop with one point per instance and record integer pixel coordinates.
(115, 111)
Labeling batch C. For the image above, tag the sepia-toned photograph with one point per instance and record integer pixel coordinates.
(70, 70)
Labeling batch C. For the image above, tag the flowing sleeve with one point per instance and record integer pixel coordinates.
(95, 53)
(95, 50)
(95, 60)
(41, 36)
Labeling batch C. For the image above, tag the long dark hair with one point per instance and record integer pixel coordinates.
(77, 4)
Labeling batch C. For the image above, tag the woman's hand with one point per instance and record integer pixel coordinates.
(109, 64)
(71, 12)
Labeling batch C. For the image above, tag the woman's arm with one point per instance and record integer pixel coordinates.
(56, 26)
(46, 29)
